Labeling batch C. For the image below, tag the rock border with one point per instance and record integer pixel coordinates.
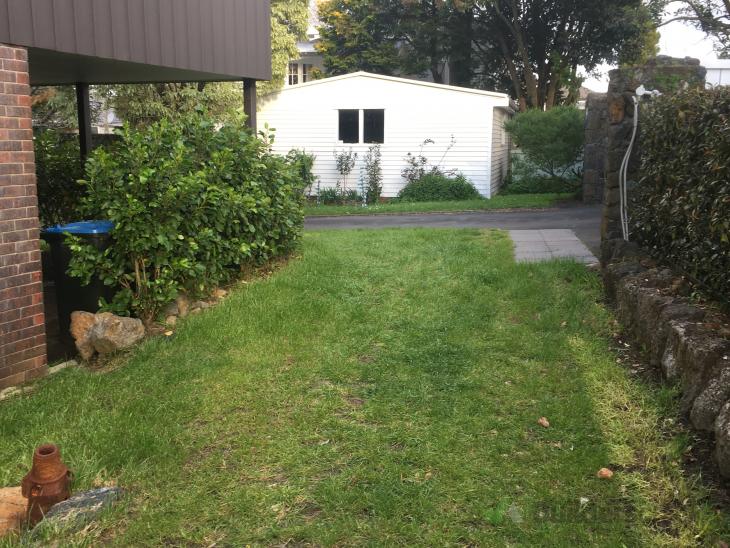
(688, 343)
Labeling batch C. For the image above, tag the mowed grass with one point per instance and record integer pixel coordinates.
(508, 201)
(382, 389)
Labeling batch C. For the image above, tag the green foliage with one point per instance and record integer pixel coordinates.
(191, 205)
(337, 196)
(526, 178)
(357, 35)
(551, 140)
(304, 164)
(681, 208)
(372, 175)
(289, 20)
(58, 169)
(436, 186)
(140, 105)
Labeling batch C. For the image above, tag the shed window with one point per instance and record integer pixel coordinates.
(374, 125)
(349, 126)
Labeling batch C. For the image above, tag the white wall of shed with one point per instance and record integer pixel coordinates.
(306, 117)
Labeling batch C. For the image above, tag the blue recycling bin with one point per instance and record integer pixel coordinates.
(70, 294)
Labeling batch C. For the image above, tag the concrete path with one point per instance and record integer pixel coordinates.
(583, 220)
(543, 245)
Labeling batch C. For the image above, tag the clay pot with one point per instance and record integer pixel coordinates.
(47, 483)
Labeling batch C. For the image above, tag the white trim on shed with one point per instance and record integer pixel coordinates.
(307, 117)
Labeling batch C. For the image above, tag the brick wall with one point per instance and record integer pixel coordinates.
(22, 326)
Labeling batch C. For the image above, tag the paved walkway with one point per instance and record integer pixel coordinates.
(543, 245)
(583, 220)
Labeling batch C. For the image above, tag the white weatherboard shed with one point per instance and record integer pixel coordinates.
(357, 110)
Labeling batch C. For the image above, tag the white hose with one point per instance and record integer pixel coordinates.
(623, 175)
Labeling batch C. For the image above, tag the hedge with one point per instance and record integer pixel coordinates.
(192, 204)
(681, 206)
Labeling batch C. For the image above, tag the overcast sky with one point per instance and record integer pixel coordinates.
(678, 40)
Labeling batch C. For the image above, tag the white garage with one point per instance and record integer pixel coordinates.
(355, 111)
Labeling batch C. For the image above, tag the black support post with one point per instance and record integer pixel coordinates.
(249, 102)
(84, 113)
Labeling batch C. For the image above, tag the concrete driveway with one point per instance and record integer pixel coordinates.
(584, 220)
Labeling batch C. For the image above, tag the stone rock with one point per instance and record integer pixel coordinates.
(722, 440)
(112, 333)
(80, 508)
(199, 305)
(220, 293)
(171, 309)
(12, 509)
(171, 320)
(183, 305)
(710, 401)
(81, 326)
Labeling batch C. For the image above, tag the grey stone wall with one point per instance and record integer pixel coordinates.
(666, 74)
(594, 148)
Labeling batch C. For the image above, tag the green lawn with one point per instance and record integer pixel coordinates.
(382, 389)
(510, 201)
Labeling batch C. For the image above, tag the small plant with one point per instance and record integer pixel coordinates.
(345, 161)
(417, 165)
(336, 196)
(372, 176)
(434, 187)
(304, 163)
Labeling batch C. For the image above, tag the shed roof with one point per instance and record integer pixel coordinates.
(128, 41)
(362, 74)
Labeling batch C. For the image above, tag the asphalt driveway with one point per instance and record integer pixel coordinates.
(584, 220)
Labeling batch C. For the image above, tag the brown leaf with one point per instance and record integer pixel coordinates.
(542, 421)
(605, 473)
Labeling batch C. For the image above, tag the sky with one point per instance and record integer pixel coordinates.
(678, 40)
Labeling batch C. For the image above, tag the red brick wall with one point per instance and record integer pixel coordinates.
(22, 326)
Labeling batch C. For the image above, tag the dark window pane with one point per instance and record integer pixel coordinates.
(349, 131)
(374, 126)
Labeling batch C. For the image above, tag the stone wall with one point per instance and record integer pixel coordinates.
(665, 74)
(594, 149)
(22, 328)
(688, 343)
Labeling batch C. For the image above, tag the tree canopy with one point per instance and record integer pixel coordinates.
(531, 48)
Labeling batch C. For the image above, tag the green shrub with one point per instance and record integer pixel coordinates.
(526, 178)
(338, 197)
(304, 164)
(58, 169)
(435, 187)
(680, 210)
(191, 205)
(372, 175)
(551, 140)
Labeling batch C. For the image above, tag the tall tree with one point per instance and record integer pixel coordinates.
(710, 16)
(289, 21)
(398, 37)
(540, 44)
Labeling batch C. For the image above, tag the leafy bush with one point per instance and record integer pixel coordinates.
(191, 205)
(418, 165)
(434, 187)
(525, 178)
(372, 175)
(681, 208)
(304, 163)
(339, 197)
(58, 169)
(552, 140)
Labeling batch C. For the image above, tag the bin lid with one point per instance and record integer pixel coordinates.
(82, 227)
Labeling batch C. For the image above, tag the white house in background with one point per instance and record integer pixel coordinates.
(718, 72)
(355, 111)
(310, 62)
